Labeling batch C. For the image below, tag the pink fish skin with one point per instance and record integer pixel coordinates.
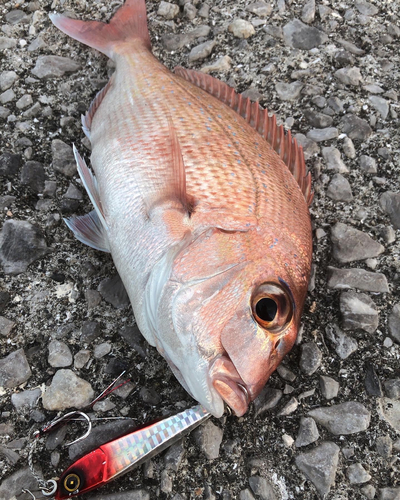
(203, 203)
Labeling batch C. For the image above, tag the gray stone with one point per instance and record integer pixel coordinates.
(6, 202)
(37, 44)
(102, 350)
(240, 28)
(16, 16)
(285, 373)
(209, 437)
(262, 488)
(168, 10)
(90, 331)
(7, 96)
(357, 474)
(14, 369)
(150, 396)
(392, 388)
(201, 51)
(67, 391)
(176, 42)
(349, 75)
(268, 399)
(318, 120)
(63, 158)
(246, 495)
(7, 43)
(21, 243)
(300, 36)
(33, 176)
(113, 291)
(204, 11)
(166, 484)
(288, 91)
(7, 79)
(323, 134)
(310, 147)
(11, 487)
(190, 11)
(73, 193)
(339, 189)
(289, 408)
(343, 344)
(60, 354)
(380, 104)
(394, 323)
(133, 337)
(358, 311)
(222, 64)
(348, 148)
(390, 203)
(350, 47)
(54, 66)
(344, 279)
(50, 188)
(93, 298)
(103, 406)
(350, 244)
(25, 399)
(368, 164)
(371, 382)
(24, 101)
(174, 456)
(366, 8)
(319, 466)
(333, 160)
(384, 446)
(308, 12)
(4, 112)
(6, 325)
(389, 493)
(356, 128)
(343, 419)
(81, 358)
(9, 455)
(260, 9)
(308, 432)
(310, 358)
(329, 387)
(368, 491)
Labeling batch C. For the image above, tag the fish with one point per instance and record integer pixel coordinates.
(202, 201)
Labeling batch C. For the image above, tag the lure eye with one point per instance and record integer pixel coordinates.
(272, 307)
(72, 483)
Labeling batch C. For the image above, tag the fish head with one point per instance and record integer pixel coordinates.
(234, 304)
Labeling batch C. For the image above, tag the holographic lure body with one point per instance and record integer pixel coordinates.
(117, 457)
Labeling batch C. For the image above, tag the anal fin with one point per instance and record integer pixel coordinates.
(89, 230)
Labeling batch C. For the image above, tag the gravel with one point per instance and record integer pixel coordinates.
(330, 72)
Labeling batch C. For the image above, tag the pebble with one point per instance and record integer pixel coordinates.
(368, 164)
(356, 128)
(333, 160)
(318, 120)
(7, 43)
(208, 438)
(323, 134)
(358, 311)
(63, 158)
(4, 300)
(33, 175)
(288, 91)
(260, 9)
(308, 432)
(384, 446)
(348, 148)
(285, 373)
(73, 193)
(25, 399)
(310, 147)
(246, 495)
(366, 8)
(174, 456)
(16, 16)
(7, 79)
(268, 399)
(113, 291)
(350, 244)
(344, 279)
(369, 491)
(24, 101)
(11, 487)
(6, 325)
(310, 358)
(240, 28)
(222, 64)
(21, 244)
(90, 331)
(300, 36)
(343, 419)
(7, 96)
(9, 455)
(262, 488)
(339, 189)
(308, 12)
(93, 298)
(103, 406)
(289, 408)
(319, 466)
(190, 11)
(201, 51)
(175, 42)
(390, 203)
(14, 369)
(389, 493)
(67, 390)
(166, 484)
(150, 396)
(168, 10)
(204, 11)
(394, 323)
(81, 358)
(102, 350)
(54, 66)
(60, 354)
(4, 112)
(357, 474)
(133, 337)
(371, 382)
(392, 388)
(349, 75)
(329, 387)
(380, 104)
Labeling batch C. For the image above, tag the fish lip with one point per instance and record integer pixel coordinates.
(229, 385)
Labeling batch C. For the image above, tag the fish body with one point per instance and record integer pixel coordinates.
(206, 224)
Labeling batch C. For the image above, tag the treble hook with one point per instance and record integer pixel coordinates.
(66, 418)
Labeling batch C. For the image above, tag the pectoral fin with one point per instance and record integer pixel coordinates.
(89, 230)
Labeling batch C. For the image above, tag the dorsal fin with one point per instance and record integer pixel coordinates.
(286, 146)
(88, 117)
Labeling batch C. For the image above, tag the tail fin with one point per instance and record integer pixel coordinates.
(127, 24)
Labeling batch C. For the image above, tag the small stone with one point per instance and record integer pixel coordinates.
(12, 486)
(343, 344)
(308, 12)
(394, 323)
(319, 466)
(371, 382)
(221, 65)
(81, 358)
(368, 164)
(102, 350)
(60, 354)
(4, 112)
(150, 396)
(174, 456)
(344, 279)
(24, 101)
(390, 203)
(103, 406)
(260, 9)
(339, 189)
(21, 244)
(329, 387)
(90, 331)
(333, 160)
(37, 44)
(289, 408)
(268, 398)
(300, 36)
(262, 488)
(343, 419)
(16, 16)
(356, 128)
(380, 104)
(10, 455)
(349, 76)
(323, 134)
(7, 79)
(190, 11)
(308, 432)
(318, 120)
(348, 148)
(6, 326)
(392, 388)
(33, 176)
(133, 337)
(285, 373)
(166, 484)
(209, 437)
(287, 440)
(175, 42)
(240, 28)
(63, 158)
(204, 11)
(350, 244)
(368, 491)
(7, 43)
(310, 147)
(384, 446)
(73, 193)
(351, 47)
(54, 66)
(358, 311)
(168, 10)
(288, 91)
(357, 474)
(389, 493)
(50, 188)
(67, 391)
(26, 399)
(113, 291)
(310, 359)
(202, 51)
(246, 495)
(93, 298)
(14, 369)
(253, 94)
(7, 96)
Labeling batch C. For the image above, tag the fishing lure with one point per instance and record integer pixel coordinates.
(119, 456)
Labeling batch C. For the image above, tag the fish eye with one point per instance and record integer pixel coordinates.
(72, 482)
(272, 307)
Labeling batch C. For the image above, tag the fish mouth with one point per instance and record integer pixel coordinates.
(229, 385)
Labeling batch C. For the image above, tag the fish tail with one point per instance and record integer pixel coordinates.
(129, 24)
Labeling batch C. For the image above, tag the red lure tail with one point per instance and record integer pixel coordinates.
(128, 24)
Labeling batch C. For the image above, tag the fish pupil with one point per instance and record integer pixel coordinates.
(266, 309)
